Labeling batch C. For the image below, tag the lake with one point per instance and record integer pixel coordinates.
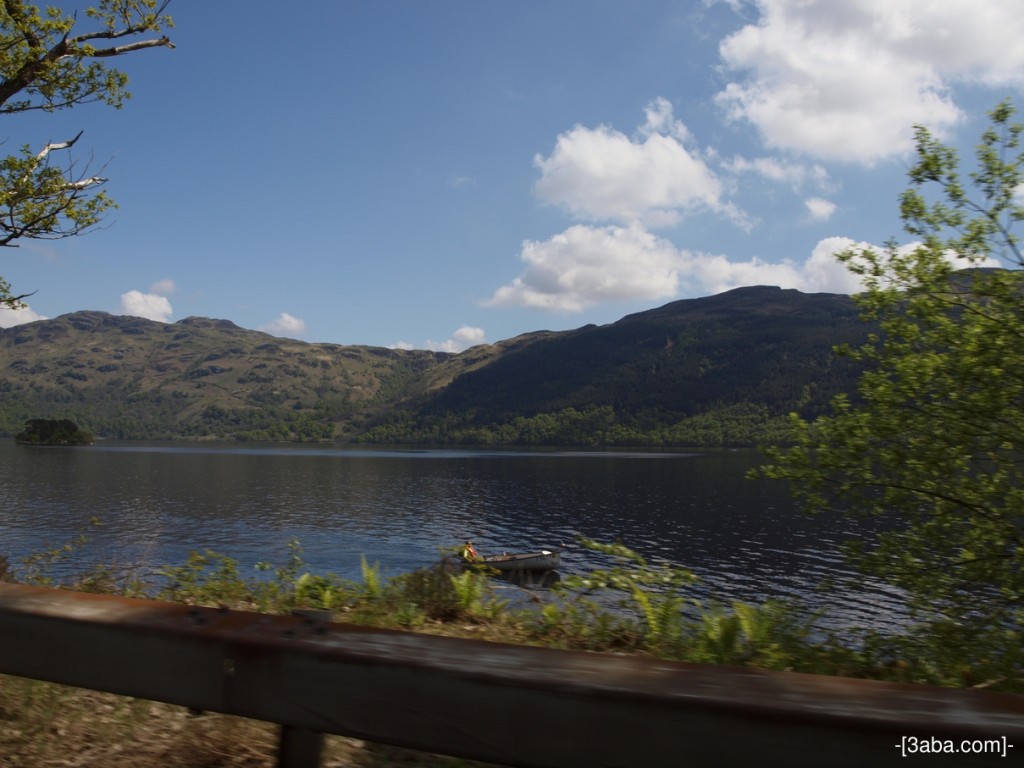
(157, 502)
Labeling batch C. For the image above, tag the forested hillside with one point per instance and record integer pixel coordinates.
(725, 369)
(720, 370)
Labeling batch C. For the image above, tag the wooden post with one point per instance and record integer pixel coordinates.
(299, 748)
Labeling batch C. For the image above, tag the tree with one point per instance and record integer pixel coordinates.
(45, 64)
(932, 443)
(53, 432)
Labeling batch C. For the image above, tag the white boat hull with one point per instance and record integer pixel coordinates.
(544, 560)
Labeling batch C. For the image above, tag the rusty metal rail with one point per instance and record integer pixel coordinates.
(513, 705)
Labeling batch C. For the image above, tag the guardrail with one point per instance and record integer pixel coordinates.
(512, 705)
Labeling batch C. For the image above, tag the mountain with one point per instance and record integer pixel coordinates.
(670, 375)
(721, 369)
(120, 376)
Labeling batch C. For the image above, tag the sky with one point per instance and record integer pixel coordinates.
(445, 173)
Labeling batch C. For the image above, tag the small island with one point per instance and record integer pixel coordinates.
(53, 432)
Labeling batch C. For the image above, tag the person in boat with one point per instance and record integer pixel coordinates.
(468, 551)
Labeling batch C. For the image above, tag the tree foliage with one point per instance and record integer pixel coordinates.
(741, 424)
(53, 432)
(48, 63)
(933, 446)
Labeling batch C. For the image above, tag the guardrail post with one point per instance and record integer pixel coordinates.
(299, 748)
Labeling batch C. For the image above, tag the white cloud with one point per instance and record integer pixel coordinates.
(955, 260)
(660, 120)
(796, 175)
(285, 325)
(12, 317)
(600, 174)
(163, 287)
(470, 335)
(820, 209)
(465, 337)
(585, 265)
(847, 80)
(149, 305)
(822, 272)
(819, 273)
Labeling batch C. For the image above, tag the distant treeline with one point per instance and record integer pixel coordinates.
(734, 425)
(742, 424)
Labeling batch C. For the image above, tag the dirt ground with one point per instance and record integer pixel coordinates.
(51, 726)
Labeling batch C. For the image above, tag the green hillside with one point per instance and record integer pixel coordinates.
(127, 377)
(725, 369)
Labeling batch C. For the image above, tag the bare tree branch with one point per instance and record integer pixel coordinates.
(62, 145)
(92, 181)
(136, 46)
(130, 29)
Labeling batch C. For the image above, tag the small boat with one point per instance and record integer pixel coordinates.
(544, 560)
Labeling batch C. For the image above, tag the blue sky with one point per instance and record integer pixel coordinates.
(446, 173)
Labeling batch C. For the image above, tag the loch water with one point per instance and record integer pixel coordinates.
(157, 502)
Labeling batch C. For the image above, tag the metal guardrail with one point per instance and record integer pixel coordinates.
(513, 705)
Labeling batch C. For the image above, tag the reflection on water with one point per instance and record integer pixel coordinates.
(158, 502)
